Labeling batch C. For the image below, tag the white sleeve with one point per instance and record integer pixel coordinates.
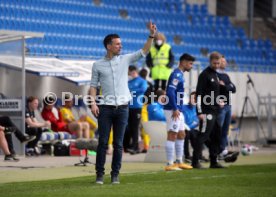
(134, 57)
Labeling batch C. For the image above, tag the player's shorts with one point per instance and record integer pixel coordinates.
(174, 125)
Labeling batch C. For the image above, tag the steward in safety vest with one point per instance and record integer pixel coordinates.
(160, 60)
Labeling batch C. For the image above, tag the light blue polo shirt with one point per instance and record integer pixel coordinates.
(112, 75)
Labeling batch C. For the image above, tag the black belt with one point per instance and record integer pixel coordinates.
(114, 106)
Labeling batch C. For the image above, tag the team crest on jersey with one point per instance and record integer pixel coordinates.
(175, 82)
(209, 117)
(174, 126)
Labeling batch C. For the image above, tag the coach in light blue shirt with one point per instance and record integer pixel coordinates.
(113, 77)
(112, 111)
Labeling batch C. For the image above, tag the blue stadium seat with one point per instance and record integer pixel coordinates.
(77, 28)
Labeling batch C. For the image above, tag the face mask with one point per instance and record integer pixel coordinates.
(159, 42)
(130, 78)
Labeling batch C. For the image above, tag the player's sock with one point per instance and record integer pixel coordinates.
(179, 150)
(170, 149)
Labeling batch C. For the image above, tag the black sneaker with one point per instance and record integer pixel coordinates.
(133, 152)
(28, 138)
(198, 166)
(217, 165)
(115, 180)
(11, 158)
(232, 157)
(99, 180)
(144, 151)
(203, 159)
(188, 159)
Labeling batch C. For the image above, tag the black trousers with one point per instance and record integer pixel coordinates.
(5, 121)
(160, 84)
(210, 134)
(132, 131)
(36, 132)
(191, 136)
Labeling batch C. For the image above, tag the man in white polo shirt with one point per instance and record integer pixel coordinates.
(112, 111)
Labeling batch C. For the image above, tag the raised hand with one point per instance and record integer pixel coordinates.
(152, 28)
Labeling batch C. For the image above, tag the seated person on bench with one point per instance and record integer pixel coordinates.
(10, 128)
(81, 127)
(4, 146)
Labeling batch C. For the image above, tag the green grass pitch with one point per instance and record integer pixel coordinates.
(246, 180)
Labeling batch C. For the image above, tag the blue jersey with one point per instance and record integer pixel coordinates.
(190, 115)
(137, 87)
(156, 112)
(175, 90)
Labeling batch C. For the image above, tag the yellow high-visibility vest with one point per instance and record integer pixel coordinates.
(160, 59)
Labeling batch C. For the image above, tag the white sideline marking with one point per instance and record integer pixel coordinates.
(176, 179)
(138, 173)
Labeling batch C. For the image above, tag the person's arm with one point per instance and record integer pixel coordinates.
(93, 90)
(50, 117)
(34, 123)
(143, 87)
(171, 59)
(195, 122)
(94, 108)
(153, 29)
(200, 92)
(230, 87)
(171, 93)
(226, 84)
(66, 116)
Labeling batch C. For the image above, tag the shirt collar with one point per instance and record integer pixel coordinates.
(180, 70)
(106, 58)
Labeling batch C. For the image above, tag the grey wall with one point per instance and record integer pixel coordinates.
(212, 6)
(10, 82)
(241, 9)
(274, 8)
(196, 1)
